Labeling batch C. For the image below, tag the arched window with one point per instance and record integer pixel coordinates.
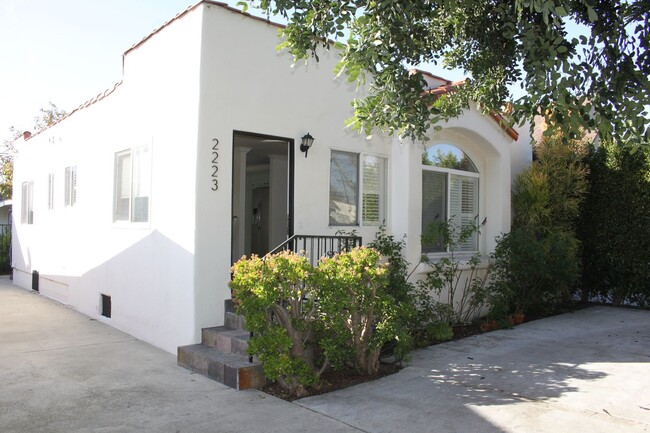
(450, 182)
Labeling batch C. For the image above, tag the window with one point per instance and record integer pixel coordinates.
(354, 177)
(132, 185)
(70, 186)
(450, 186)
(50, 191)
(374, 190)
(27, 203)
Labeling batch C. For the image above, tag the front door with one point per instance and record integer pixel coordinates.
(262, 200)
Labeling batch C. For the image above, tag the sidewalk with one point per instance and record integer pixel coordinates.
(62, 372)
(583, 372)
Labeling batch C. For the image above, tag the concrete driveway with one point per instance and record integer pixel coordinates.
(583, 372)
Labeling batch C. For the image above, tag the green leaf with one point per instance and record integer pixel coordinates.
(593, 16)
(243, 5)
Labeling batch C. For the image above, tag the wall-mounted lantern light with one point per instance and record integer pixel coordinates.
(305, 143)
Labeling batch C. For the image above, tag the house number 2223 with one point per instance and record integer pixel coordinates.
(215, 166)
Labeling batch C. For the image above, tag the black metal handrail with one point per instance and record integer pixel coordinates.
(316, 246)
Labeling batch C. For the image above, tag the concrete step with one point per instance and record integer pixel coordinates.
(226, 340)
(232, 320)
(230, 369)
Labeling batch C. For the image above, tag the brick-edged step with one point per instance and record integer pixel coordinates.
(226, 340)
(231, 369)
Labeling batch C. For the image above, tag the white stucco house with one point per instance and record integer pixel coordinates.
(133, 207)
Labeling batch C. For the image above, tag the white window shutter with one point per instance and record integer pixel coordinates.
(463, 207)
(374, 190)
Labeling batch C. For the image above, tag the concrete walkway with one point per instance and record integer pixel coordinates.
(583, 372)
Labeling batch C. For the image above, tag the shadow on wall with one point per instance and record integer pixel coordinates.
(148, 289)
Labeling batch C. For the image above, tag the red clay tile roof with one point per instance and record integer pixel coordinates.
(498, 117)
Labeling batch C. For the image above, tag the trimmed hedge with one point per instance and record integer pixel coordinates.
(614, 226)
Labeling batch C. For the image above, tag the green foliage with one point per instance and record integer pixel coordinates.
(5, 248)
(441, 331)
(397, 285)
(537, 263)
(448, 160)
(614, 226)
(305, 319)
(278, 301)
(47, 117)
(461, 286)
(531, 270)
(357, 311)
(547, 195)
(7, 175)
(596, 81)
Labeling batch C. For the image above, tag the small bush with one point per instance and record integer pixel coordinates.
(535, 271)
(461, 287)
(358, 313)
(277, 298)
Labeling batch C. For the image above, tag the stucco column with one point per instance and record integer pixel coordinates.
(278, 198)
(239, 202)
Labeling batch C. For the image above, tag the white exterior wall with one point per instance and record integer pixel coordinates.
(248, 86)
(208, 73)
(147, 269)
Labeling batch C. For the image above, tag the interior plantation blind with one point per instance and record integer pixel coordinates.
(374, 190)
(463, 206)
(434, 204)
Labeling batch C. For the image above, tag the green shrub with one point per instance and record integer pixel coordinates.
(537, 263)
(535, 271)
(358, 313)
(277, 298)
(614, 226)
(5, 250)
(460, 285)
(304, 319)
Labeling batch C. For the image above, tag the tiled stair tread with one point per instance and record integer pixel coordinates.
(213, 355)
(226, 340)
(222, 354)
(241, 334)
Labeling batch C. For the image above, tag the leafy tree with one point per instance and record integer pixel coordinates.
(598, 81)
(47, 117)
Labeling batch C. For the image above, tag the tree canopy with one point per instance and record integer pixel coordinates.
(596, 81)
(47, 117)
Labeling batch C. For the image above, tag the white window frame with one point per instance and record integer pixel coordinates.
(50, 191)
(360, 190)
(448, 172)
(27, 203)
(140, 169)
(70, 186)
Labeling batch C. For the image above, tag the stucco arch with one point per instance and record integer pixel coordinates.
(488, 146)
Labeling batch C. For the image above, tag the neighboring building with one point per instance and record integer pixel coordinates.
(136, 204)
(5, 212)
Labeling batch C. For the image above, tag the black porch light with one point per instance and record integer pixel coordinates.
(305, 143)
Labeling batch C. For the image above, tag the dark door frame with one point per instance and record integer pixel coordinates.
(291, 163)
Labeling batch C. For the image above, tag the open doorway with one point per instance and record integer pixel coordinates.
(262, 196)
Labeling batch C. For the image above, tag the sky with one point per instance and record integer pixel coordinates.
(68, 51)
